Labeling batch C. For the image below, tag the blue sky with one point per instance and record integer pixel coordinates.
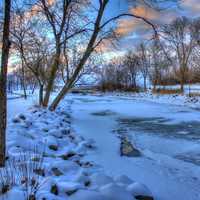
(134, 31)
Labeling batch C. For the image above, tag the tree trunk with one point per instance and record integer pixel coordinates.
(182, 81)
(3, 81)
(54, 69)
(23, 80)
(145, 84)
(33, 87)
(182, 86)
(41, 95)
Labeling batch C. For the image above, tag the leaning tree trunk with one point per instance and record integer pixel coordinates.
(3, 81)
(54, 69)
(23, 80)
(83, 60)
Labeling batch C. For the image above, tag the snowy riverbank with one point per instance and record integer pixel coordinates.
(47, 159)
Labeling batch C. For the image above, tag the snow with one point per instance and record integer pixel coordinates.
(84, 134)
(160, 167)
(44, 142)
(19, 105)
(116, 192)
(138, 189)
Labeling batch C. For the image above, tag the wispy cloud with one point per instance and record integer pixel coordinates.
(131, 25)
(191, 6)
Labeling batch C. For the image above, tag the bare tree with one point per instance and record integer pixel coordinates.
(94, 41)
(144, 63)
(32, 47)
(158, 63)
(3, 81)
(180, 35)
(131, 61)
(60, 15)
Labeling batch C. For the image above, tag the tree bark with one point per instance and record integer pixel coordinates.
(23, 80)
(41, 95)
(145, 84)
(54, 69)
(3, 81)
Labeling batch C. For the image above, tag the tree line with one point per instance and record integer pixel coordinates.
(172, 58)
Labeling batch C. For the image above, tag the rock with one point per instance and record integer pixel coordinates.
(84, 164)
(128, 150)
(89, 144)
(56, 171)
(67, 155)
(27, 124)
(115, 192)
(54, 189)
(40, 172)
(70, 192)
(45, 129)
(21, 116)
(68, 187)
(82, 178)
(56, 133)
(139, 190)
(16, 120)
(53, 147)
(141, 197)
(87, 183)
(65, 131)
(5, 188)
(32, 197)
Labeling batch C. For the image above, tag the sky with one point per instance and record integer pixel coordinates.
(134, 31)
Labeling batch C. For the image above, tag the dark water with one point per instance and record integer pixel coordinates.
(161, 126)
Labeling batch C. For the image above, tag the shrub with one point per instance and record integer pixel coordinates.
(167, 91)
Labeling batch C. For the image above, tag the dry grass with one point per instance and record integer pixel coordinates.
(167, 91)
(194, 94)
(25, 170)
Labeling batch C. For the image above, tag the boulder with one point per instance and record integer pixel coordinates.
(127, 149)
(140, 191)
(56, 171)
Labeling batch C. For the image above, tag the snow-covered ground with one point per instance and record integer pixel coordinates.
(19, 105)
(164, 128)
(47, 159)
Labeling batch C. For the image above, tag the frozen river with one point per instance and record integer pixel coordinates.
(167, 136)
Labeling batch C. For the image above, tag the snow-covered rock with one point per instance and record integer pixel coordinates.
(88, 195)
(115, 192)
(100, 179)
(68, 187)
(123, 179)
(137, 189)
